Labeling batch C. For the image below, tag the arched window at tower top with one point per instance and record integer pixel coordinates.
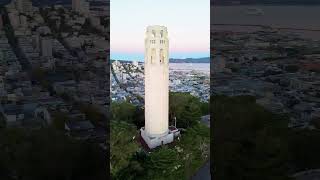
(153, 33)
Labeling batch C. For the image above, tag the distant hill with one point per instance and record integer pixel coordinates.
(191, 60)
(265, 2)
(123, 61)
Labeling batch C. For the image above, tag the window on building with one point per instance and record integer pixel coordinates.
(161, 56)
(153, 55)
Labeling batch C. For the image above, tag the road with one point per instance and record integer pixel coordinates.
(206, 120)
(204, 172)
(14, 43)
(313, 174)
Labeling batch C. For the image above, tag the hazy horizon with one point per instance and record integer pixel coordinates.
(142, 60)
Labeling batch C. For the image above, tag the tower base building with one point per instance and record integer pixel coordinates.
(154, 142)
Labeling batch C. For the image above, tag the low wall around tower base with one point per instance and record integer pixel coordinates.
(154, 142)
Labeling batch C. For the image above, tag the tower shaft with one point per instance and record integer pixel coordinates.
(156, 81)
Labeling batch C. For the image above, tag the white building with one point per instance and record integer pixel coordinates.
(76, 5)
(24, 6)
(85, 7)
(23, 21)
(135, 63)
(156, 131)
(14, 19)
(219, 64)
(95, 21)
(81, 6)
(46, 47)
(36, 42)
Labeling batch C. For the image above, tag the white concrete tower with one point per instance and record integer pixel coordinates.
(156, 130)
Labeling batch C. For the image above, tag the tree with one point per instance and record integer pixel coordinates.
(127, 162)
(205, 108)
(292, 68)
(49, 154)
(304, 149)
(249, 142)
(122, 145)
(2, 121)
(59, 119)
(186, 108)
(151, 166)
(123, 111)
(93, 114)
(139, 117)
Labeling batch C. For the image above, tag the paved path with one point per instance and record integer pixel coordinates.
(313, 174)
(203, 173)
(206, 120)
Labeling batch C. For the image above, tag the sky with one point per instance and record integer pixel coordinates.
(188, 23)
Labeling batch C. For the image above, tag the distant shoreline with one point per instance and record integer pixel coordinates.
(187, 60)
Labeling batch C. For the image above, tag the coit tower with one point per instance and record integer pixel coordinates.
(156, 81)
